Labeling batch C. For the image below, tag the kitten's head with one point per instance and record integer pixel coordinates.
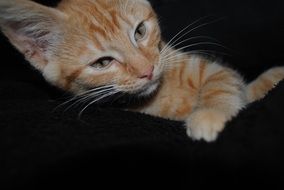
(84, 44)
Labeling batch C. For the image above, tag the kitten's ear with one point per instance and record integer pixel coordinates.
(32, 28)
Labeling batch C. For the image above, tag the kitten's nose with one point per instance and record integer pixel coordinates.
(148, 73)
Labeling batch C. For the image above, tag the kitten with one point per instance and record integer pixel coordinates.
(97, 48)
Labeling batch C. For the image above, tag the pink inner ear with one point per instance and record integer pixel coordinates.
(32, 48)
(29, 51)
(31, 28)
(23, 31)
(25, 45)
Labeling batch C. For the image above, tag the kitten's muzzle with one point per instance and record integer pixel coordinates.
(148, 74)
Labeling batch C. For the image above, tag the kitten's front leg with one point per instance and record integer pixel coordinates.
(205, 124)
(220, 99)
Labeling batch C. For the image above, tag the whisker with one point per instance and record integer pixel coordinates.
(94, 95)
(197, 27)
(85, 98)
(78, 96)
(175, 56)
(193, 38)
(202, 51)
(181, 31)
(191, 30)
(96, 100)
(173, 62)
(192, 45)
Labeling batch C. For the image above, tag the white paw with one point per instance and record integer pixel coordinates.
(205, 124)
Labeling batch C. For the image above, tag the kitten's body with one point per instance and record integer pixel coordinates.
(97, 48)
(206, 95)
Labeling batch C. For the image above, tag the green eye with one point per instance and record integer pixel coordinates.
(102, 63)
(140, 31)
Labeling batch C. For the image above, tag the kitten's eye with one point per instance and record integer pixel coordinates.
(102, 63)
(140, 31)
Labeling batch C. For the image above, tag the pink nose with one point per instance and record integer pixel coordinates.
(148, 73)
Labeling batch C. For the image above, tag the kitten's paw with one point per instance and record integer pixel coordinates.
(205, 124)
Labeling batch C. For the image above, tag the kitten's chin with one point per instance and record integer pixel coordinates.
(149, 89)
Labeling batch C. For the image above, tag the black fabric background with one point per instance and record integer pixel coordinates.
(42, 148)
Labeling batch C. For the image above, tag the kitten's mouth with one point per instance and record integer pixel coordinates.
(148, 88)
(151, 86)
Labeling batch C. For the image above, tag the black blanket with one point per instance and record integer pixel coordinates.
(44, 147)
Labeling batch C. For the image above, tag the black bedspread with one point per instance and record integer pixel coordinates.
(43, 147)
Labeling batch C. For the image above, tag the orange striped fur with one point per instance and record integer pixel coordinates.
(97, 48)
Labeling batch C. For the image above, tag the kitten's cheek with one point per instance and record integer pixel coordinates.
(157, 71)
(161, 45)
(52, 72)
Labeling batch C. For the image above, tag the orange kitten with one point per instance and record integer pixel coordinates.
(97, 48)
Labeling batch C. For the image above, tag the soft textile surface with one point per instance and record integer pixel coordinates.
(43, 147)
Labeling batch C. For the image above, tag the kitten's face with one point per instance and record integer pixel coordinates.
(108, 43)
(84, 44)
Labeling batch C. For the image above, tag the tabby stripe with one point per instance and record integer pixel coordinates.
(103, 15)
(72, 77)
(216, 93)
(191, 84)
(219, 76)
(181, 73)
(184, 109)
(202, 66)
